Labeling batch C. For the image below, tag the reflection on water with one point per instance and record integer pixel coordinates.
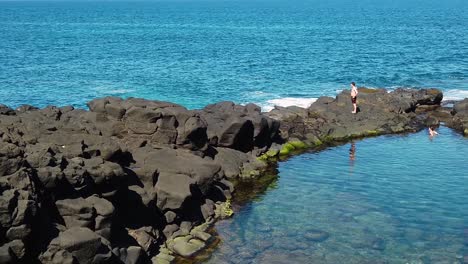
(352, 157)
(402, 201)
(352, 152)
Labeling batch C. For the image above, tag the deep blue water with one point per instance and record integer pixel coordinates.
(200, 52)
(395, 199)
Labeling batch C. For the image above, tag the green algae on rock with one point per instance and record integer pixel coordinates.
(290, 146)
(269, 155)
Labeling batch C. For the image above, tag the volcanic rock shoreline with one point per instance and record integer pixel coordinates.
(139, 181)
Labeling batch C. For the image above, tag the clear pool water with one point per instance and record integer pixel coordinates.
(392, 199)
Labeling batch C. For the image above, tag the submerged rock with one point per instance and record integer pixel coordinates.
(316, 235)
(186, 246)
(378, 244)
(279, 257)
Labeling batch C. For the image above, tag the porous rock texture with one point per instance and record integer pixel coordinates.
(112, 184)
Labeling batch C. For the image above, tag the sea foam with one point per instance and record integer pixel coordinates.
(105, 90)
(287, 101)
(455, 95)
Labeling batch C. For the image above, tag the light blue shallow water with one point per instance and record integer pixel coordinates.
(403, 199)
(200, 52)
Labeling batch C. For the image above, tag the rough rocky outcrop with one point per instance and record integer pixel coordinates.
(112, 184)
(379, 112)
(138, 181)
(460, 117)
(239, 127)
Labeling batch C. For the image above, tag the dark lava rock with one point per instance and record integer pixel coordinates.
(113, 173)
(380, 112)
(5, 110)
(460, 117)
(78, 243)
(239, 127)
(112, 184)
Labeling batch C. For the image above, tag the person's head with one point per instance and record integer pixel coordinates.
(353, 84)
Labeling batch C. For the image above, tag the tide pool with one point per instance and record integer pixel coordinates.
(389, 199)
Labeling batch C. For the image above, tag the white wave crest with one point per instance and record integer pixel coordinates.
(110, 90)
(455, 95)
(254, 93)
(120, 91)
(288, 101)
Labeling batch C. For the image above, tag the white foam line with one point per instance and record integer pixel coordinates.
(449, 95)
(288, 101)
(455, 95)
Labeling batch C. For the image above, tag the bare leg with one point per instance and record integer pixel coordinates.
(354, 108)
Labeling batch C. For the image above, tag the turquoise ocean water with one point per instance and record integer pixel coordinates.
(393, 199)
(199, 52)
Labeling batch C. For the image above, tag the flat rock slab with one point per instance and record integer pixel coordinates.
(186, 246)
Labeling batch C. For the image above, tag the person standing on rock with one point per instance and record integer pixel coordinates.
(354, 93)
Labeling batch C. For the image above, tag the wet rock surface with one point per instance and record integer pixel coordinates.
(129, 180)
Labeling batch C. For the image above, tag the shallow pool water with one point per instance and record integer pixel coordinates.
(390, 199)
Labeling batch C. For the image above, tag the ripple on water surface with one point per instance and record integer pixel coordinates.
(393, 199)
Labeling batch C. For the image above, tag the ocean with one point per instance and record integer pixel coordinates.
(199, 52)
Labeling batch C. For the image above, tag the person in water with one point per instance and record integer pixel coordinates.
(432, 131)
(354, 93)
